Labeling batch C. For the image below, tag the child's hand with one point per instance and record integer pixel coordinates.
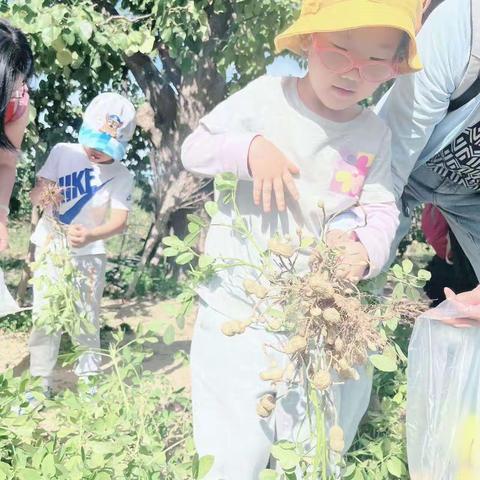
(271, 170)
(353, 259)
(78, 236)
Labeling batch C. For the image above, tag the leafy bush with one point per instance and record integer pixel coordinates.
(127, 424)
(153, 280)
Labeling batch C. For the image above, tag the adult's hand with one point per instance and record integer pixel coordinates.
(468, 306)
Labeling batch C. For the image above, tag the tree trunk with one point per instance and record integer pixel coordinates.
(174, 189)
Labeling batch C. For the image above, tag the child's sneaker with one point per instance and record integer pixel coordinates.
(87, 387)
(33, 402)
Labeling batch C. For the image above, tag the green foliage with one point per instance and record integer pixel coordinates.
(84, 47)
(128, 424)
(382, 458)
(63, 289)
(153, 281)
(379, 451)
(18, 322)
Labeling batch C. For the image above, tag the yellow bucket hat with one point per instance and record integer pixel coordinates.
(337, 15)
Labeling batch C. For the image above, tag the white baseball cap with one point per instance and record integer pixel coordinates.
(108, 124)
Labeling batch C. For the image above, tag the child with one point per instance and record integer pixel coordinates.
(271, 130)
(93, 182)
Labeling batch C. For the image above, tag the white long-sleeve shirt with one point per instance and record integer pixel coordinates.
(346, 165)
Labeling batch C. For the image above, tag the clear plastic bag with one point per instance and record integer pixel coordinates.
(7, 303)
(443, 406)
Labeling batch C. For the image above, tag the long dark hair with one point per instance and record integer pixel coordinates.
(16, 61)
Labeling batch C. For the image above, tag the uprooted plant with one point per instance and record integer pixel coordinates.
(56, 276)
(330, 328)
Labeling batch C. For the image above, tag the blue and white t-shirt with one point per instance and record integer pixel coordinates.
(90, 190)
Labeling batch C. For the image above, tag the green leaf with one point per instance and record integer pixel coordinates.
(49, 35)
(180, 320)
(349, 470)
(204, 465)
(307, 242)
(184, 258)
(170, 252)
(267, 475)
(103, 476)
(4, 469)
(386, 446)
(147, 45)
(166, 34)
(424, 275)
(275, 313)
(400, 353)
(407, 266)
(412, 293)
(240, 224)
(225, 182)
(85, 31)
(398, 291)
(28, 474)
(205, 261)
(285, 453)
(64, 57)
(358, 475)
(193, 227)
(377, 451)
(397, 270)
(383, 363)
(392, 323)
(196, 219)
(69, 37)
(172, 241)
(48, 465)
(169, 335)
(395, 467)
(211, 208)
(195, 464)
(191, 239)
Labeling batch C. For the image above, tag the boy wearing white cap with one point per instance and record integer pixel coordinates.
(93, 183)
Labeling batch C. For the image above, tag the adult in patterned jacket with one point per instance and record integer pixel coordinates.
(436, 148)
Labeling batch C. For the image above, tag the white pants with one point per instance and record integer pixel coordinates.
(44, 347)
(226, 387)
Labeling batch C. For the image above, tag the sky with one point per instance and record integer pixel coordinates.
(285, 66)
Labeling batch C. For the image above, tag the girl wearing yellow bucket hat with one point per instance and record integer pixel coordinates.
(273, 130)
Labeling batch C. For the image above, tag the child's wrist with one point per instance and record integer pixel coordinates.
(89, 236)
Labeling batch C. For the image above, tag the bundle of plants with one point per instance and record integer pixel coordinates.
(329, 328)
(56, 276)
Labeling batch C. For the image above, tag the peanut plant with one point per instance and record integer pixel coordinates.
(135, 426)
(332, 326)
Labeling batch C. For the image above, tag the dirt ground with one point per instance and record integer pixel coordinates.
(116, 314)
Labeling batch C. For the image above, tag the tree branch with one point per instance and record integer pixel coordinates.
(157, 90)
(113, 18)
